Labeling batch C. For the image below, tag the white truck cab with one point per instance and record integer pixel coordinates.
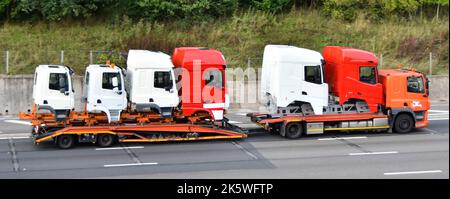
(104, 91)
(53, 90)
(151, 82)
(293, 76)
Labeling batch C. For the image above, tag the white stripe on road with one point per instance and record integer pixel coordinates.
(374, 153)
(115, 148)
(6, 138)
(241, 114)
(18, 122)
(14, 136)
(437, 111)
(437, 114)
(343, 138)
(234, 122)
(412, 172)
(131, 164)
(432, 119)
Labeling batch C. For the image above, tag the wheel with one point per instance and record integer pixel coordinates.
(65, 141)
(404, 123)
(293, 130)
(105, 140)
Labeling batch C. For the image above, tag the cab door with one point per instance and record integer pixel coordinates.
(59, 92)
(416, 95)
(112, 92)
(313, 89)
(368, 88)
(163, 89)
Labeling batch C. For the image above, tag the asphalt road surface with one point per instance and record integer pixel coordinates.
(423, 153)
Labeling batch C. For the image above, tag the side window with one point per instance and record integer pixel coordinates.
(415, 85)
(214, 78)
(107, 80)
(163, 79)
(54, 81)
(313, 74)
(367, 74)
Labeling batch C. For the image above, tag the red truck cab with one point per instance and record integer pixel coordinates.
(201, 81)
(352, 75)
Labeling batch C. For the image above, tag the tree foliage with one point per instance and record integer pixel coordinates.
(151, 10)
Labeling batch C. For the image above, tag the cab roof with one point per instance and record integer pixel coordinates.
(186, 55)
(398, 72)
(286, 53)
(148, 59)
(339, 54)
(54, 68)
(103, 68)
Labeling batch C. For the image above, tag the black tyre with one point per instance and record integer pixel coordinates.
(105, 140)
(404, 123)
(65, 141)
(293, 130)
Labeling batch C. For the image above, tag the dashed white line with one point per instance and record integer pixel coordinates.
(115, 148)
(412, 172)
(130, 164)
(437, 114)
(241, 114)
(445, 118)
(375, 153)
(14, 136)
(234, 122)
(18, 122)
(342, 138)
(437, 111)
(6, 138)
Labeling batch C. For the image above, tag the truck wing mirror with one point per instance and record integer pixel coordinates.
(115, 82)
(62, 83)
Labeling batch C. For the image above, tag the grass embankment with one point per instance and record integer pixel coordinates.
(239, 37)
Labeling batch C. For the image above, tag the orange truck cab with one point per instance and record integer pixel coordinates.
(352, 76)
(405, 98)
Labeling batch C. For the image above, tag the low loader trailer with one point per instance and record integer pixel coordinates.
(65, 134)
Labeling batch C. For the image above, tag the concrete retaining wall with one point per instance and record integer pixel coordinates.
(16, 93)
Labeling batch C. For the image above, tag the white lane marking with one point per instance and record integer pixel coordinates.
(374, 153)
(245, 150)
(14, 136)
(432, 119)
(6, 138)
(241, 114)
(131, 164)
(115, 148)
(438, 114)
(343, 138)
(412, 172)
(18, 122)
(437, 111)
(234, 122)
